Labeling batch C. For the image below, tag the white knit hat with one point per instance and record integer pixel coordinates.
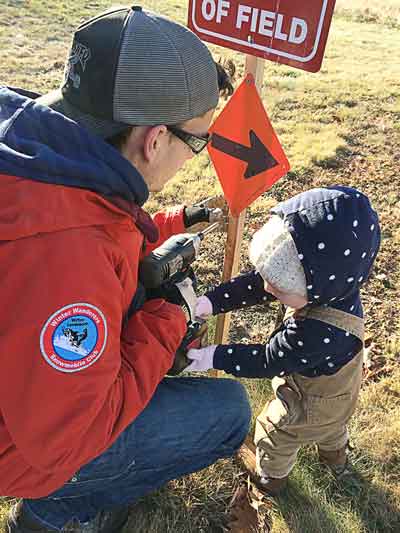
(275, 257)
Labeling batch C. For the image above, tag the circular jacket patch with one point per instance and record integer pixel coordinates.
(74, 337)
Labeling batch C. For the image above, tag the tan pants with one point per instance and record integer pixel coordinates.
(309, 410)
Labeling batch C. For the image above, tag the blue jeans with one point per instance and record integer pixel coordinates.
(188, 425)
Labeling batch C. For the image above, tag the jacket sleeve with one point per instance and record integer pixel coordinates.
(168, 223)
(305, 346)
(61, 419)
(240, 292)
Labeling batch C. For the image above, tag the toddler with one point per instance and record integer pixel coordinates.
(313, 255)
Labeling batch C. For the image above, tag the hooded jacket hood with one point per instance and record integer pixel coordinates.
(337, 236)
(41, 145)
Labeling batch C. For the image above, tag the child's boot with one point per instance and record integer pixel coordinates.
(19, 522)
(335, 460)
(247, 459)
(272, 485)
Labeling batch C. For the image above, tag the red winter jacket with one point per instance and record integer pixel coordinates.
(73, 373)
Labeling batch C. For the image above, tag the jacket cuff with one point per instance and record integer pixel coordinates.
(177, 219)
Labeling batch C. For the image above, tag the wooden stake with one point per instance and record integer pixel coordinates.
(254, 66)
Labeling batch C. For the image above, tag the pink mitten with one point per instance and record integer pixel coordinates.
(202, 359)
(203, 307)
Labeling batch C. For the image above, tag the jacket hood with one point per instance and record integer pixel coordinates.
(43, 146)
(40, 144)
(337, 236)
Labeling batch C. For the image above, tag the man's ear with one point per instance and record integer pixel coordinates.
(154, 140)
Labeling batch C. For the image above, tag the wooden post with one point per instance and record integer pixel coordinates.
(231, 267)
(254, 66)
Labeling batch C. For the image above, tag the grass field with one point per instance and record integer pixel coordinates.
(340, 126)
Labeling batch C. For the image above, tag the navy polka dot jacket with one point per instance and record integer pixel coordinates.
(337, 237)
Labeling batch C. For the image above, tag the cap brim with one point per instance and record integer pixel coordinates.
(102, 128)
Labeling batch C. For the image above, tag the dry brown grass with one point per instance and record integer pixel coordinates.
(338, 126)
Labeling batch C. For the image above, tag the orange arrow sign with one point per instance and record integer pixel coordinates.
(244, 148)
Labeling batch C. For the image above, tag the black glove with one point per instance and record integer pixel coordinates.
(168, 291)
(194, 215)
(196, 337)
(200, 213)
(171, 293)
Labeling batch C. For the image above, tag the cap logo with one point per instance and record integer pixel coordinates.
(79, 56)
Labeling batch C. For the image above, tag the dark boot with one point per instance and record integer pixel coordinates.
(246, 457)
(272, 486)
(105, 522)
(19, 522)
(335, 460)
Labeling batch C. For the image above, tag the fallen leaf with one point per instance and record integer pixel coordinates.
(243, 517)
(248, 510)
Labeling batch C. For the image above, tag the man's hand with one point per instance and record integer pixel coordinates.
(202, 359)
(181, 293)
(196, 337)
(188, 297)
(209, 211)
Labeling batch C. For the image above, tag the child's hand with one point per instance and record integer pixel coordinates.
(204, 308)
(202, 359)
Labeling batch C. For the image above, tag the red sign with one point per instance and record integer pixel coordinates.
(284, 31)
(244, 148)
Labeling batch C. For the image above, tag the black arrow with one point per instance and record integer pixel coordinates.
(258, 157)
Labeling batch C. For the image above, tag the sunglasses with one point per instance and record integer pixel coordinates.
(196, 143)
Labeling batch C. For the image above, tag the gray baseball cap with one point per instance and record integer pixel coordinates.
(133, 67)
